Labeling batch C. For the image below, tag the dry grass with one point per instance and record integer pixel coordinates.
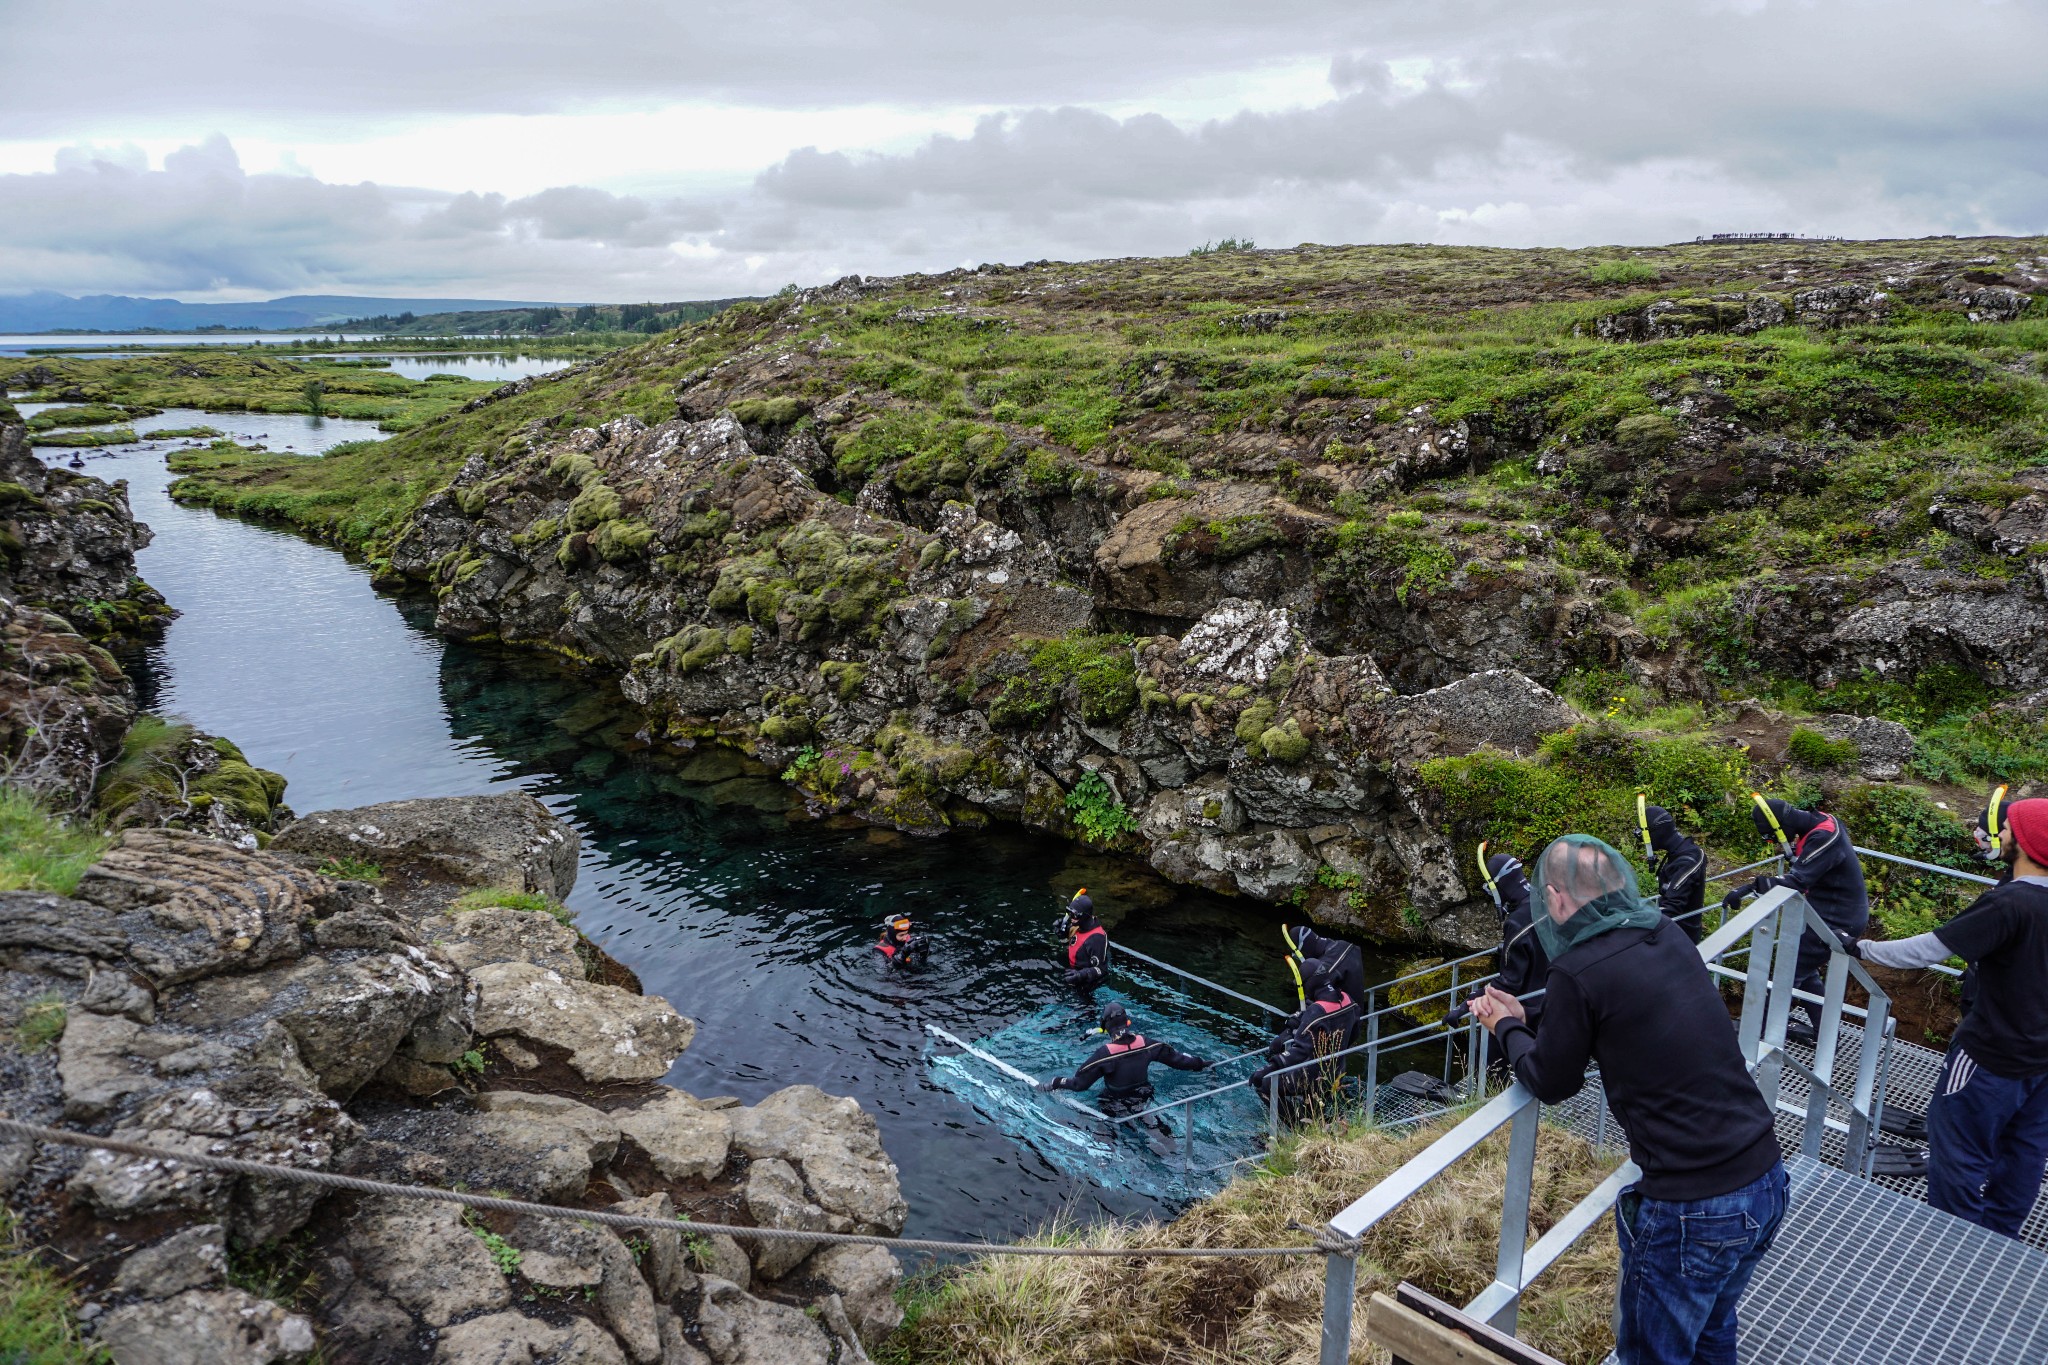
(1012, 1311)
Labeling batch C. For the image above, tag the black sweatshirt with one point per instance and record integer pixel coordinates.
(1123, 1066)
(1641, 1003)
(1825, 869)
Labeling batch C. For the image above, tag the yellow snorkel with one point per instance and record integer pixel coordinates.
(1486, 877)
(1991, 829)
(1643, 824)
(1771, 816)
(1300, 989)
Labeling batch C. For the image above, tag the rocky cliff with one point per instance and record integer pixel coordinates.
(1228, 561)
(443, 1028)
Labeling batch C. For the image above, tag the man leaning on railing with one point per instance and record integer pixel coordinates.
(1626, 988)
(1987, 1127)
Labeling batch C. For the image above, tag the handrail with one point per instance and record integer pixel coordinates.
(1773, 926)
(1129, 951)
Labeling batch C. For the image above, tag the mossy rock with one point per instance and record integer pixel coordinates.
(691, 648)
(574, 470)
(768, 412)
(594, 506)
(788, 729)
(621, 540)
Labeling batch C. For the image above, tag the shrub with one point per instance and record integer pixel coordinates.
(1816, 750)
(1096, 812)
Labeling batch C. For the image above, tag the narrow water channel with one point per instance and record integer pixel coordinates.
(756, 925)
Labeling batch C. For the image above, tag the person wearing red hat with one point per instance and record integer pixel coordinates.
(1987, 1128)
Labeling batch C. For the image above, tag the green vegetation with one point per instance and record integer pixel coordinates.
(1586, 780)
(611, 323)
(1099, 669)
(41, 851)
(38, 1309)
(1815, 750)
(352, 870)
(504, 1255)
(84, 415)
(42, 1022)
(1905, 821)
(158, 764)
(532, 902)
(1096, 812)
(90, 438)
(1621, 272)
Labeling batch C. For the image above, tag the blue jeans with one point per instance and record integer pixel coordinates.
(1987, 1144)
(1684, 1267)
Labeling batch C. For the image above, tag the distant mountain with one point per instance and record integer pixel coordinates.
(44, 311)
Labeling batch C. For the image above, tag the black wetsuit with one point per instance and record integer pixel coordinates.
(1681, 873)
(1123, 1065)
(1824, 868)
(1337, 959)
(1087, 955)
(1523, 963)
(1323, 1026)
(911, 950)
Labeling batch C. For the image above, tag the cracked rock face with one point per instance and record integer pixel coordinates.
(224, 1001)
(507, 842)
(610, 1034)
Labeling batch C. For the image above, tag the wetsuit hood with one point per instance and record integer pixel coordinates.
(1662, 827)
(1505, 871)
(1115, 1019)
(1791, 818)
(1595, 885)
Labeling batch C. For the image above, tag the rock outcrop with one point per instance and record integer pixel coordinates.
(229, 1001)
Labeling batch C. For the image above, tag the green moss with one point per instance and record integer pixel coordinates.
(768, 412)
(1099, 669)
(572, 468)
(1285, 743)
(691, 648)
(156, 764)
(843, 678)
(594, 506)
(1813, 749)
(1399, 552)
(1252, 724)
(1585, 779)
(787, 729)
(619, 541)
(740, 640)
(17, 495)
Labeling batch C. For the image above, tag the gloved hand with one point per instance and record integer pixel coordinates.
(1851, 944)
(1041, 1086)
(1732, 902)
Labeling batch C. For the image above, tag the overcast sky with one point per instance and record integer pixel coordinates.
(228, 149)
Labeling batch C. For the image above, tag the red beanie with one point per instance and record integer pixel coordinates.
(2028, 821)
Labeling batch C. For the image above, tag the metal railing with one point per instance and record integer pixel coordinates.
(1772, 927)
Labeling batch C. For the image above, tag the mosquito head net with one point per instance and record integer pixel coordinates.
(1584, 889)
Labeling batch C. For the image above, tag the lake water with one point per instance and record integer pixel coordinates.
(756, 925)
(21, 343)
(499, 368)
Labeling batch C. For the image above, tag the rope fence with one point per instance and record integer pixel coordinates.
(1326, 1243)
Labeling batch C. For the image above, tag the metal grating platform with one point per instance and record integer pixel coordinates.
(1924, 1288)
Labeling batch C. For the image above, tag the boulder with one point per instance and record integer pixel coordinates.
(515, 1339)
(610, 1034)
(349, 1018)
(684, 1140)
(1883, 747)
(839, 1148)
(97, 1065)
(193, 907)
(422, 1256)
(205, 1327)
(865, 1278)
(196, 1258)
(776, 1198)
(676, 1348)
(599, 1133)
(561, 1255)
(507, 841)
(476, 938)
(664, 1262)
(739, 1329)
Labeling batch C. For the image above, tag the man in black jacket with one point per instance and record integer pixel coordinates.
(1334, 957)
(1681, 870)
(1523, 966)
(1087, 950)
(1821, 865)
(1124, 1064)
(1987, 1127)
(1627, 990)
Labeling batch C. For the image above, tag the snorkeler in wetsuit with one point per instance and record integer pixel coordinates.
(1338, 959)
(1123, 1064)
(1087, 950)
(1322, 1027)
(901, 946)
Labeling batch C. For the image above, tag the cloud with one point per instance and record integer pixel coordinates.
(1467, 121)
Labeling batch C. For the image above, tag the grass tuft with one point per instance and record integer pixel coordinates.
(41, 851)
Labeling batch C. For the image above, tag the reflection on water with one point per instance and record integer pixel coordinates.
(293, 432)
(470, 365)
(694, 874)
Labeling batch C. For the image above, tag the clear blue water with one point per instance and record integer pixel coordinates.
(697, 873)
